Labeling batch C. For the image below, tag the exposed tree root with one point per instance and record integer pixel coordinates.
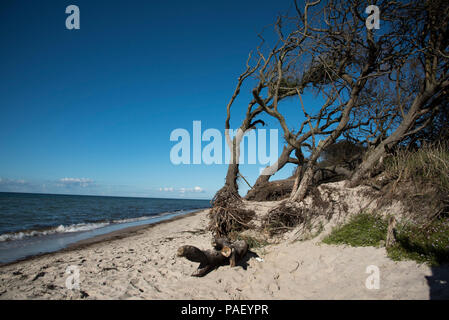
(284, 217)
(227, 213)
(291, 214)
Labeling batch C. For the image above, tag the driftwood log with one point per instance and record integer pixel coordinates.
(224, 252)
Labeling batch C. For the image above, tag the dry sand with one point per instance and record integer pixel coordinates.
(142, 264)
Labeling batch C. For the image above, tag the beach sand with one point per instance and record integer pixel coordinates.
(141, 263)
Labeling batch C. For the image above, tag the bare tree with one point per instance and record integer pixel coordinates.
(341, 57)
(364, 79)
(428, 42)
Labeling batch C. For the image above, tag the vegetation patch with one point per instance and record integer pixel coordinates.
(420, 180)
(429, 163)
(421, 243)
(428, 244)
(362, 230)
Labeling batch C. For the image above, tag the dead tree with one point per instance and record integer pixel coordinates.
(428, 41)
(226, 213)
(340, 60)
(327, 49)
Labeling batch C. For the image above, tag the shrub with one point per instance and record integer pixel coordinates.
(420, 180)
(430, 163)
(343, 153)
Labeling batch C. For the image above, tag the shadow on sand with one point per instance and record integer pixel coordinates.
(439, 283)
(244, 262)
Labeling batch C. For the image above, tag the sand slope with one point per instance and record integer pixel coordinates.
(144, 266)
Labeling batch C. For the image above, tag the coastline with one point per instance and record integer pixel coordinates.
(113, 235)
(141, 263)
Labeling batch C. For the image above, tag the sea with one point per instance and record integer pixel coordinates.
(32, 224)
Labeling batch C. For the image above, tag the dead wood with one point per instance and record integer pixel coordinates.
(271, 190)
(224, 252)
(391, 233)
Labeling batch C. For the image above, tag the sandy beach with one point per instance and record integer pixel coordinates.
(142, 264)
(259, 150)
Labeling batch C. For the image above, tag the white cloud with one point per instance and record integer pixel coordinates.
(82, 182)
(167, 189)
(183, 190)
(15, 185)
(13, 182)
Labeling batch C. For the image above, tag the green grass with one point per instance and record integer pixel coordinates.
(428, 244)
(364, 229)
(430, 164)
(423, 244)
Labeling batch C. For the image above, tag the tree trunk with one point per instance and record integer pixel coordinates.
(231, 178)
(391, 233)
(271, 190)
(269, 171)
(306, 180)
(297, 179)
(233, 168)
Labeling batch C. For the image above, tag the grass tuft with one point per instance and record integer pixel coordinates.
(430, 163)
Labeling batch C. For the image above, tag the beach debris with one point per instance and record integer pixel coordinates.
(297, 266)
(224, 252)
(51, 287)
(109, 268)
(39, 275)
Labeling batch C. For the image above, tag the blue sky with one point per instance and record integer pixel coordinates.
(90, 111)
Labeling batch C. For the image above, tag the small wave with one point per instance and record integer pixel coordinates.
(161, 214)
(131, 219)
(78, 227)
(60, 229)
